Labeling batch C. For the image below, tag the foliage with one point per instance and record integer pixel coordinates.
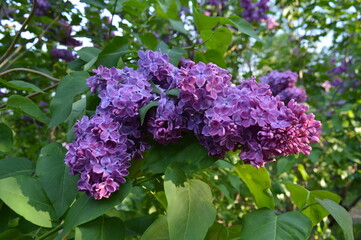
(177, 191)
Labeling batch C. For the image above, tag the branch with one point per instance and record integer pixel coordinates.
(111, 21)
(37, 93)
(7, 53)
(51, 232)
(30, 71)
(39, 40)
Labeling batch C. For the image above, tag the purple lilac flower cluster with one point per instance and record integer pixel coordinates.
(66, 39)
(107, 141)
(223, 116)
(254, 11)
(227, 118)
(64, 54)
(42, 7)
(282, 84)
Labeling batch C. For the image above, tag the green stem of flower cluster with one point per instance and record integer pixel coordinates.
(51, 232)
(138, 182)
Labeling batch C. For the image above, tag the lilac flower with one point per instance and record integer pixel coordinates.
(64, 54)
(42, 7)
(166, 123)
(254, 11)
(279, 81)
(223, 116)
(271, 23)
(295, 93)
(282, 84)
(340, 69)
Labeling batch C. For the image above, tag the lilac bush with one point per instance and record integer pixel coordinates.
(223, 116)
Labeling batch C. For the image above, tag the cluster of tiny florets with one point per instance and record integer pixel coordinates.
(223, 116)
(254, 11)
(42, 7)
(65, 54)
(63, 33)
(283, 84)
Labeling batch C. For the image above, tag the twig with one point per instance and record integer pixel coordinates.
(30, 71)
(199, 44)
(111, 21)
(138, 182)
(39, 40)
(7, 53)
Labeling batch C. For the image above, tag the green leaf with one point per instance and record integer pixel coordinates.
(149, 40)
(341, 216)
(59, 185)
(157, 231)
(265, 224)
(190, 155)
(69, 87)
(10, 167)
(243, 26)
(76, 65)
(218, 40)
(88, 53)
(173, 92)
(258, 182)
(26, 106)
(86, 208)
(117, 48)
(78, 108)
(178, 26)
(215, 57)
(190, 211)
(21, 85)
(305, 200)
(90, 64)
(101, 228)
(160, 196)
(6, 138)
(217, 232)
(138, 225)
(155, 89)
(234, 232)
(169, 9)
(174, 54)
(96, 3)
(204, 22)
(25, 196)
(14, 234)
(143, 110)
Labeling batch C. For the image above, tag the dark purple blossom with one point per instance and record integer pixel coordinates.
(295, 93)
(42, 7)
(254, 11)
(64, 54)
